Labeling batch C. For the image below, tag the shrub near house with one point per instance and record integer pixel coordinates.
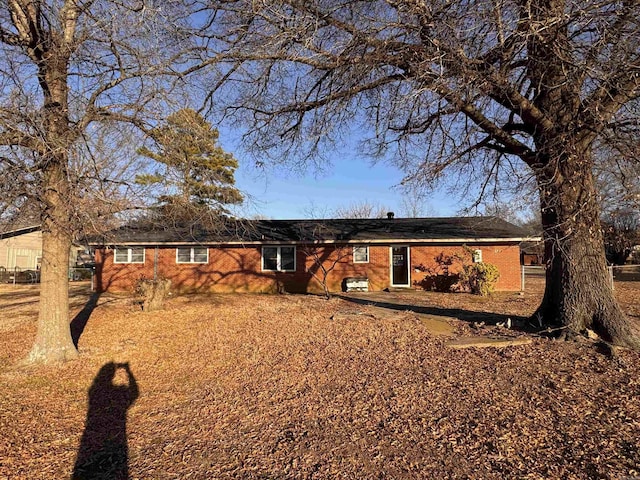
(461, 271)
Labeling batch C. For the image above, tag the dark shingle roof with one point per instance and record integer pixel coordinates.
(439, 229)
(19, 231)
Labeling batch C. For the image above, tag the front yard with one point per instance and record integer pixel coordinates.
(268, 386)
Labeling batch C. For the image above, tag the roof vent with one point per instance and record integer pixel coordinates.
(390, 215)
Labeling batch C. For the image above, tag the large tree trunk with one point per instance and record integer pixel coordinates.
(578, 294)
(53, 340)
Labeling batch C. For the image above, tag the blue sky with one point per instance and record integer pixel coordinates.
(347, 178)
(278, 194)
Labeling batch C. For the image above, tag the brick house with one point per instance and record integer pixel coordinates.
(298, 255)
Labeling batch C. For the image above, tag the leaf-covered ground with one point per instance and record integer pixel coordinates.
(270, 387)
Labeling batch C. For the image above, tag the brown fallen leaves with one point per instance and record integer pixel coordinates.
(249, 386)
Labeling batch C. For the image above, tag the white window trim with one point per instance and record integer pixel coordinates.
(354, 254)
(192, 255)
(279, 258)
(129, 254)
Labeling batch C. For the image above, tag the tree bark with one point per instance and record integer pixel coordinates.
(154, 293)
(579, 293)
(53, 340)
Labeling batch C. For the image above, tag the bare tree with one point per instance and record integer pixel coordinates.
(363, 209)
(67, 67)
(497, 91)
(415, 204)
(324, 257)
(618, 181)
(324, 261)
(504, 210)
(317, 210)
(621, 233)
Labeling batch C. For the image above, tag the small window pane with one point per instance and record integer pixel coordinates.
(270, 258)
(137, 255)
(129, 255)
(200, 255)
(288, 258)
(184, 255)
(361, 254)
(121, 255)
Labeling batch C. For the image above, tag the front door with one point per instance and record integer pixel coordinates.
(400, 266)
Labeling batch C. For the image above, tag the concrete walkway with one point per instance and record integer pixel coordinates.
(442, 323)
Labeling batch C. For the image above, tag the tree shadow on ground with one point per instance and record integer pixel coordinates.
(103, 451)
(79, 322)
(31, 295)
(470, 316)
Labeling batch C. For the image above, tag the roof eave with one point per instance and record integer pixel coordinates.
(20, 231)
(320, 242)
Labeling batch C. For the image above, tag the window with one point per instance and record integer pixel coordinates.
(279, 259)
(129, 255)
(361, 254)
(192, 255)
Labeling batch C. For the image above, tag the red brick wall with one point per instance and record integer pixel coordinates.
(239, 269)
(504, 256)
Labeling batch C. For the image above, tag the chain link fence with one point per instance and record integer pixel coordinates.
(19, 275)
(626, 273)
(533, 276)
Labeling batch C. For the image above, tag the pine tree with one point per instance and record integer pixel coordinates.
(195, 174)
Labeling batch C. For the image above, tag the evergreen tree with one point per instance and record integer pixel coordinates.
(71, 70)
(196, 175)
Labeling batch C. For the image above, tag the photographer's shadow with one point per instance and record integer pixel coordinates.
(103, 451)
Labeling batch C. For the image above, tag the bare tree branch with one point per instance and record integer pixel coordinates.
(491, 93)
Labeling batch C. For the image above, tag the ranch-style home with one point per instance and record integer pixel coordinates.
(300, 255)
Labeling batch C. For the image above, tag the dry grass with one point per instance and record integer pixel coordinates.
(248, 386)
